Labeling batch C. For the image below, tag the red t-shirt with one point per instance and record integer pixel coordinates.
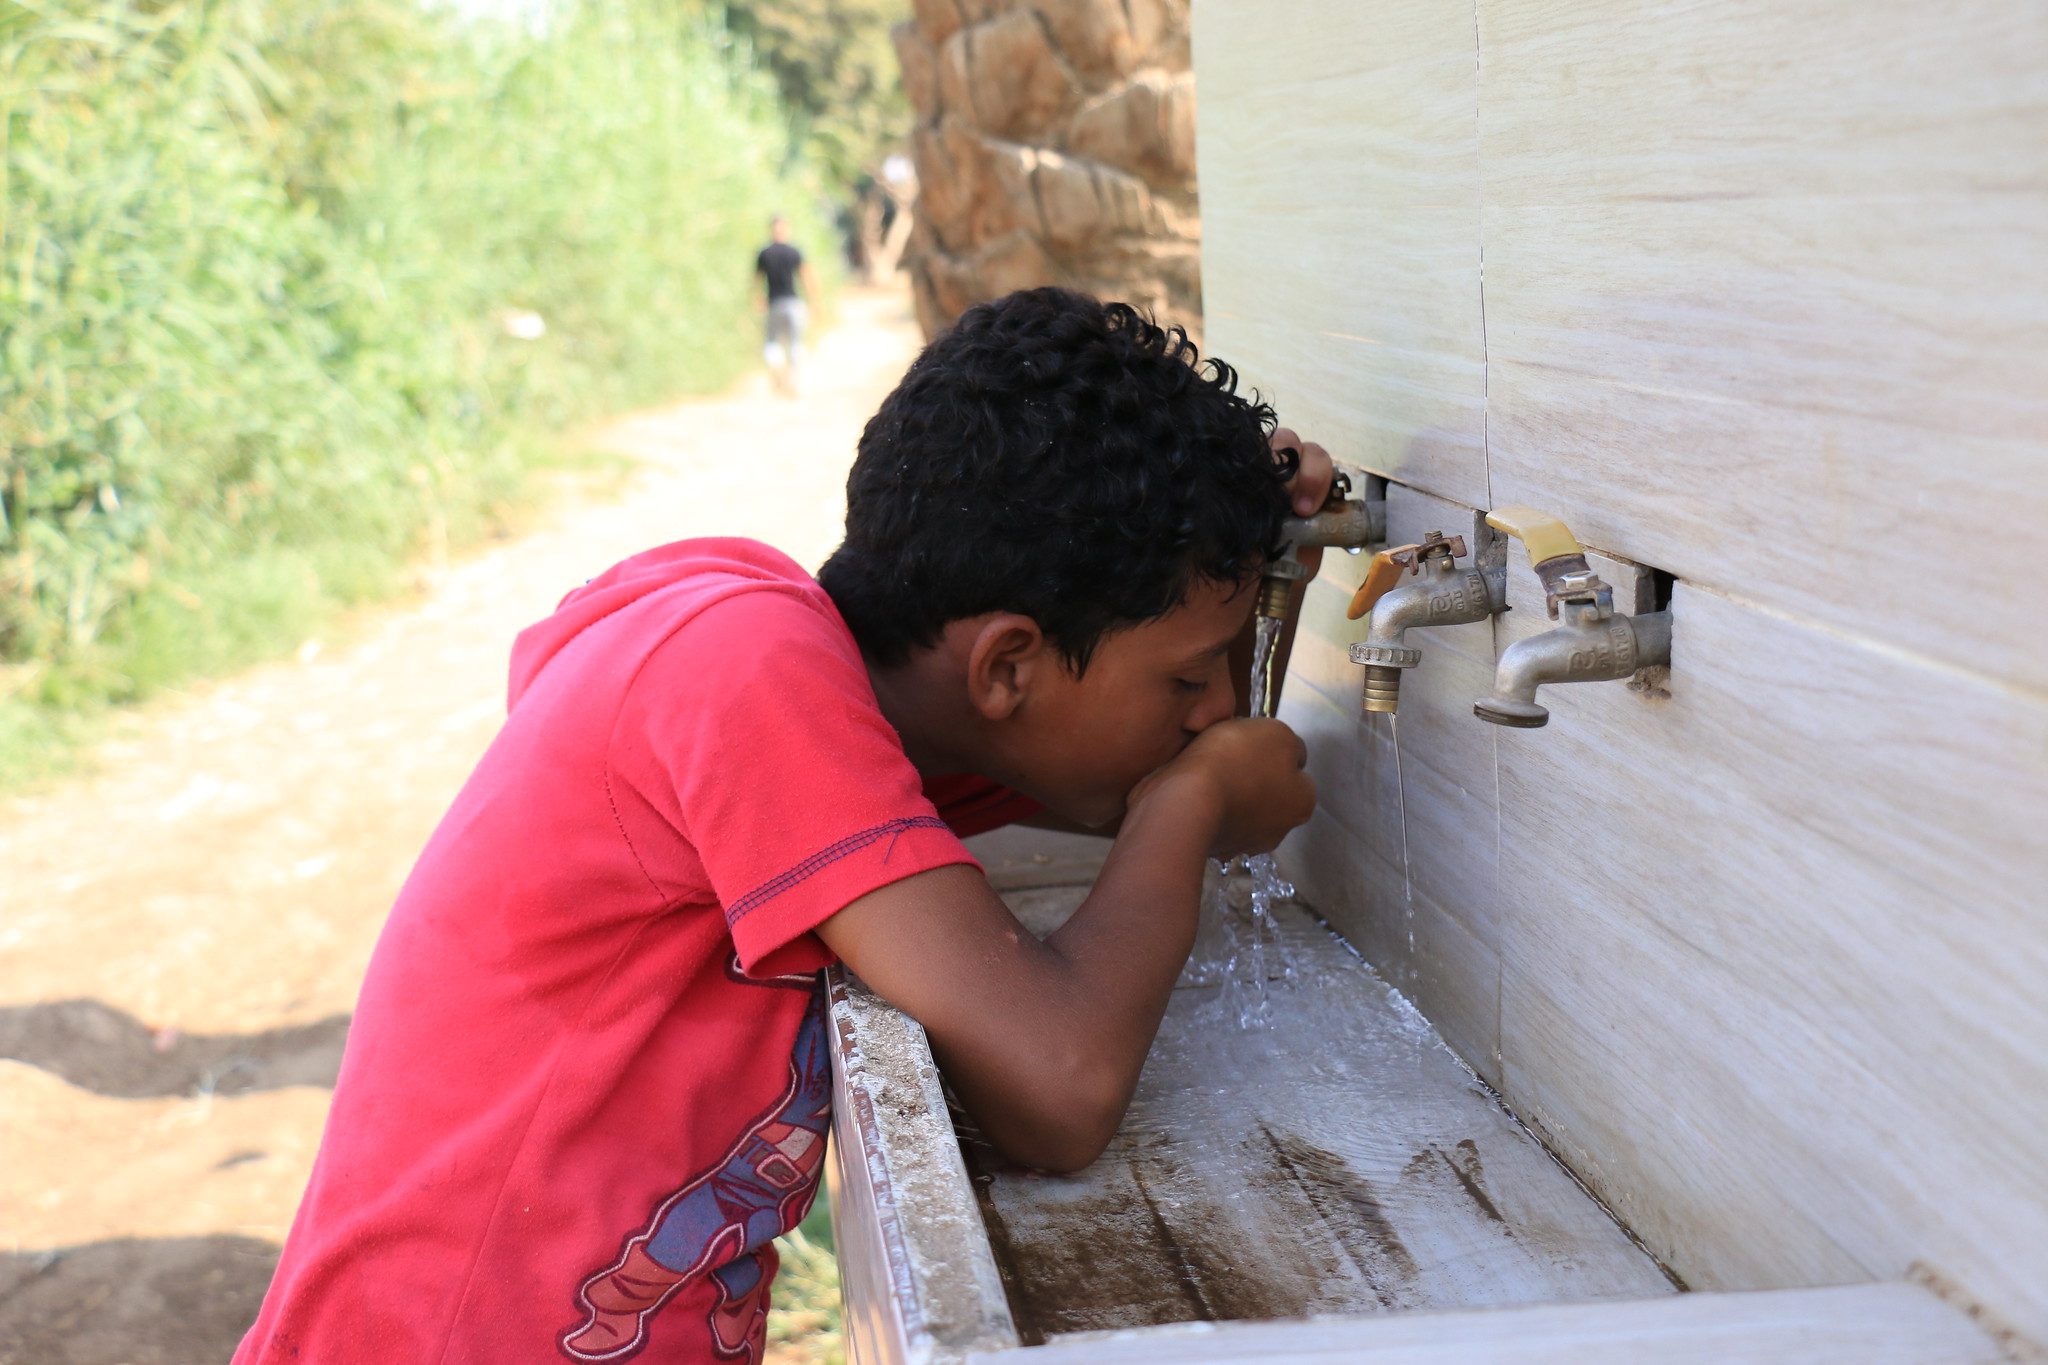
(587, 1082)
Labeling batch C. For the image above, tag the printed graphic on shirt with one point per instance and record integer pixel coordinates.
(720, 1224)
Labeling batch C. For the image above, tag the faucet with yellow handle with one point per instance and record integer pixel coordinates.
(1593, 644)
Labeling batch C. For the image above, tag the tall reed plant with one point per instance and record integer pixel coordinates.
(270, 272)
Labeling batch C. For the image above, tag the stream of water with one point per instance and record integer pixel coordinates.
(1237, 920)
(1401, 807)
(1265, 652)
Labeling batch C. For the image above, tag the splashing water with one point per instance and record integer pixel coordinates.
(1237, 905)
(1249, 888)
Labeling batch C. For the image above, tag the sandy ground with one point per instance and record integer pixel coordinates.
(182, 934)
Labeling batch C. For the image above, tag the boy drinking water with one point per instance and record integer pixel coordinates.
(587, 1083)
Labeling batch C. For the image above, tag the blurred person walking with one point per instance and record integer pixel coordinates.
(790, 284)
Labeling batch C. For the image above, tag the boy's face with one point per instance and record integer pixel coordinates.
(1079, 745)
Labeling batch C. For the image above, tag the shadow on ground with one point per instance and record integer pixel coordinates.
(97, 1047)
(174, 1301)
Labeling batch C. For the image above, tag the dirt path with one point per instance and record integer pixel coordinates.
(181, 936)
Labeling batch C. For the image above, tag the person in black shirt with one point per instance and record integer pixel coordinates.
(789, 282)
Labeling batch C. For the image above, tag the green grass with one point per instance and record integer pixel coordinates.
(261, 268)
(803, 1322)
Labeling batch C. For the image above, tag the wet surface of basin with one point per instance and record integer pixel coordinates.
(1339, 1159)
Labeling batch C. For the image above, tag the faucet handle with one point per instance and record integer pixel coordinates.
(1389, 564)
(1380, 577)
(1556, 556)
(1545, 536)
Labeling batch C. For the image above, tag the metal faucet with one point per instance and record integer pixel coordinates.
(1343, 522)
(1592, 645)
(1441, 595)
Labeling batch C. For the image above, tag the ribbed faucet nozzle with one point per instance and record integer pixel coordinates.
(1382, 689)
(1274, 592)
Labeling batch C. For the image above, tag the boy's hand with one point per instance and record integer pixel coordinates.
(1312, 479)
(1255, 771)
(1309, 486)
(1043, 1042)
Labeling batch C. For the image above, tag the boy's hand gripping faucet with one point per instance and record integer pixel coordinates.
(1441, 595)
(1593, 644)
(1342, 522)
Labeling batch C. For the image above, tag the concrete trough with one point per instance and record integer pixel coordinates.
(1274, 1192)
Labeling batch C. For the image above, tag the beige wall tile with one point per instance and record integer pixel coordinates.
(1344, 278)
(1765, 306)
(1767, 302)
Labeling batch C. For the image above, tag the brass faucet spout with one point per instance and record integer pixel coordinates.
(1588, 647)
(1343, 523)
(1349, 524)
(1402, 609)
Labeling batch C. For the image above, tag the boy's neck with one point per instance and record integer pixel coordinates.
(925, 699)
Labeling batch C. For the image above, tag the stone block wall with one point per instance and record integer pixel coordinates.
(1055, 144)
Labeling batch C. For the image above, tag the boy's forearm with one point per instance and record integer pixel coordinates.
(1111, 971)
(1136, 926)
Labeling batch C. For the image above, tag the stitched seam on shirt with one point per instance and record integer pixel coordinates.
(822, 859)
(613, 802)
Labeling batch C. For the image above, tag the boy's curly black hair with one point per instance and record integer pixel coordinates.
(1060, 457)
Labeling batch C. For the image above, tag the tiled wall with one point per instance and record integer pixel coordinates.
(1755, 294)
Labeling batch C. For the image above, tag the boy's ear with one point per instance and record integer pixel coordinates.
(1006, 660)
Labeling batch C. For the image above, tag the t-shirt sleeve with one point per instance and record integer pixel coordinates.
(786, 779)
(761, 261)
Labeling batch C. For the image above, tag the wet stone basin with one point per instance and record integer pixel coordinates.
(1331, 1188)
(1338, 1160)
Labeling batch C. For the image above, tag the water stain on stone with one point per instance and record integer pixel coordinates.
(1467, 1169)
(1103, 1259)
(1189, 1280)
(1005, 1251)
(1471, 1173)
(1239, 1274)
(1348, 1207)
(1135, 1242)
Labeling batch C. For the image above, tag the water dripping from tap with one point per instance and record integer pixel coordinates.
(1401, 808)
(1265, 647)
